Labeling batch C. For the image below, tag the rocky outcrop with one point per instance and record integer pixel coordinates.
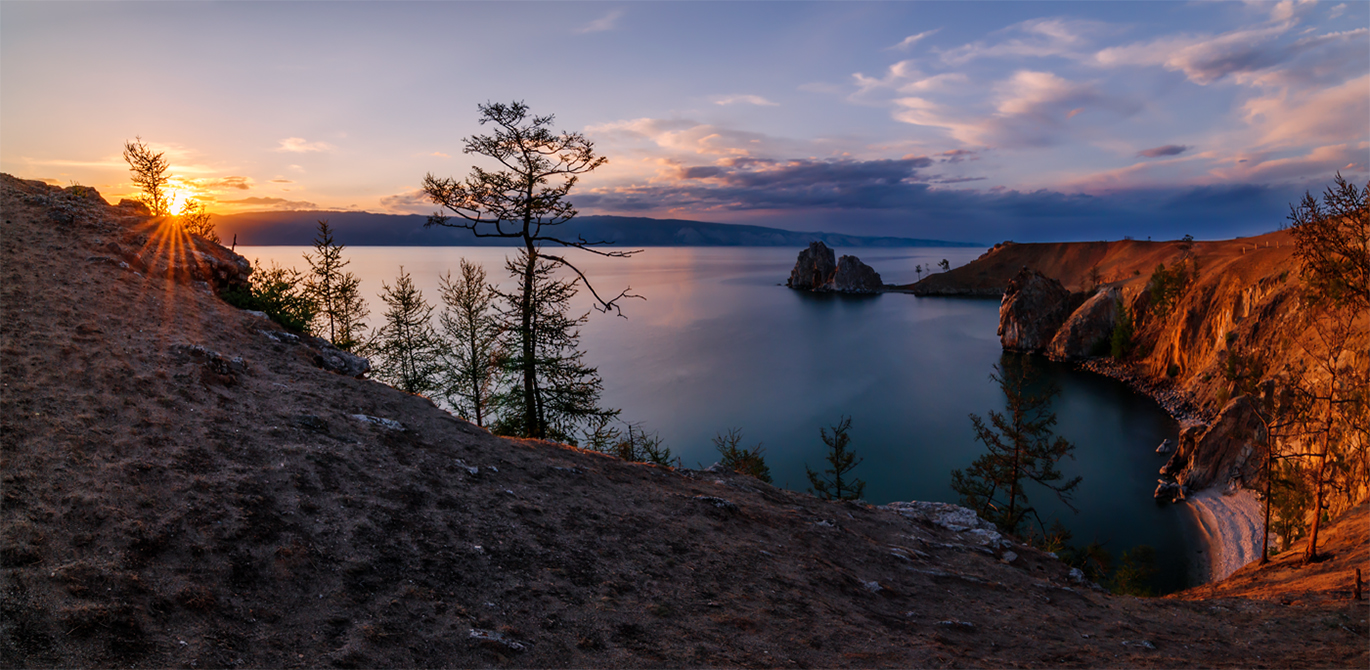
(853, 276)
(1220, 453)
(815, 270)
(1033, 309)
(1087, 328)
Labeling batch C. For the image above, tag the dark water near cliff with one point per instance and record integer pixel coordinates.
(718, 344)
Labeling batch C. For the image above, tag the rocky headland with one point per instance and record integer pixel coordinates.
(185, 484)
(1242, 303)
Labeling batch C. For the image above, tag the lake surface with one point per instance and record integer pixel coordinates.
(720, 343)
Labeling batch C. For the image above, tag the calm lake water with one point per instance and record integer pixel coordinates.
(720, 343)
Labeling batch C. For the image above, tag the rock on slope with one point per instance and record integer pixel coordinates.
(164, 507)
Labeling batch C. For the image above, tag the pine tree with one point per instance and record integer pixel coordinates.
(471, 351)
(525, 199)
(565, 391)
(1021, 446)
(341, 309)
(833, 486)
(405, 350)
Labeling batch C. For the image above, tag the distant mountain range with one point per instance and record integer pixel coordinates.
(367, 229)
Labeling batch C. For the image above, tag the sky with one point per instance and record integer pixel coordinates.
(971, 121)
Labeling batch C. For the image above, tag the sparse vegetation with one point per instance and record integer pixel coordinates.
(149, 174)
(526, 200)
(471, 352)
(1120, 340)
(1166, 287)
(279, 293)
(740, 459)
(543, 363)
(196, 221)
(832, 483)
(341, 311)
(404, 350)
(1020, 446)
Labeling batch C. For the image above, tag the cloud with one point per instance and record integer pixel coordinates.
(1318, 164)
(743, 99)
(408, 202)
(607, 22)
(1336, 11)
(1038, 38)
(892, 198)
(272, 203)
(281, 181)
(757, 183)
(1326, 116)
(299, 145)
(1167, 150)
(1032, 110)
(911, 40)
(239, 183)
(1241, 54)
(691, 137)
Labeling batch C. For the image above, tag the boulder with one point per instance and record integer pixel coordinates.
(814, 268)
(853, 276)
(1087, 328)
(1033, 309)
(336, 360)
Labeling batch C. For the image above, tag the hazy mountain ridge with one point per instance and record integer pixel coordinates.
(368, 229)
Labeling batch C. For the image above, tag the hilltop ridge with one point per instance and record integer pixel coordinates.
(184, 485)
(371, 229)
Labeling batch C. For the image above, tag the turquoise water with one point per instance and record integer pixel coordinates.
(720, 343)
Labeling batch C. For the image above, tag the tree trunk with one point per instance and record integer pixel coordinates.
(530, 416)
(1311, 553)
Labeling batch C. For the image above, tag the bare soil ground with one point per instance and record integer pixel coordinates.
(170, 506)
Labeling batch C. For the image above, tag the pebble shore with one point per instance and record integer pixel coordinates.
(1176, 402)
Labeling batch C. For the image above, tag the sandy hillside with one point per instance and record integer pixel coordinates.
(183, 486)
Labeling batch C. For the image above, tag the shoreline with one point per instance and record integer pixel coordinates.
(1230, 526)
(1226, 526)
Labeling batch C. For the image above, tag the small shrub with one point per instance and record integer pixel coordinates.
(279, 293)
(1120, 342)
(195, 220)
(1173, 370)
(743, 461)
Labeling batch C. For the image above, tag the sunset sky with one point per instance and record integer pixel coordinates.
(957, 120)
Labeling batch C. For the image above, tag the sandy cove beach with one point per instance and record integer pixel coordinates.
(1229, 526)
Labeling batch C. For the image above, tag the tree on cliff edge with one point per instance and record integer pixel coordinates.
(1021, 446)
(1332, 238)
(525, 199)
(149, 173)
(829, 484)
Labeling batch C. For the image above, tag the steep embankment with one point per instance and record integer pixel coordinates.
(183, 485)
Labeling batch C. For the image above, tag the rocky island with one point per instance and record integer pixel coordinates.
(815, 270)
(185, 484)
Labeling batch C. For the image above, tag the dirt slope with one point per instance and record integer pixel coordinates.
(167, 505)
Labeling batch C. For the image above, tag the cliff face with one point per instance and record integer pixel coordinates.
(1241, 303)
